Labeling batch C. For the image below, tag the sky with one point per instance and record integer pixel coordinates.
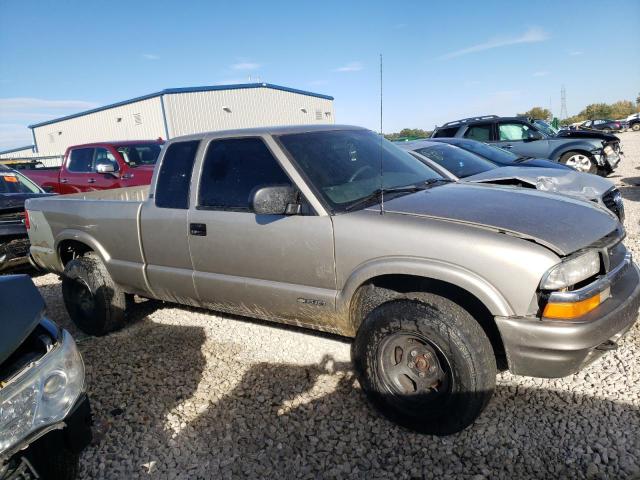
(441, 60)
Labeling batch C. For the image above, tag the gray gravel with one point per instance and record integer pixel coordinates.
(184, 393)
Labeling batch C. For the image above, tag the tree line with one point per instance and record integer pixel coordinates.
(615, 111)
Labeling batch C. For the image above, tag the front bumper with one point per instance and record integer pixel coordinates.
(14, 253)
(557, 348)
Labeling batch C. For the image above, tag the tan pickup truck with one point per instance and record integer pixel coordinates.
(334, 228)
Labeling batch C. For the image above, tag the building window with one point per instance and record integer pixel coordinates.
(137, 118)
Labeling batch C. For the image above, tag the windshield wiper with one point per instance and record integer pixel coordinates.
(376, 195)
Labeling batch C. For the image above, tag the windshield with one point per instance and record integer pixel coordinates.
(490, 152)
(344, 165)
(545, 128)
(140, 153)
(458, 161)
(14, 182)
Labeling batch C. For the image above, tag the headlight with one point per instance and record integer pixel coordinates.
(43, 395)
(608, 150)
(572, 271)
(546, 184)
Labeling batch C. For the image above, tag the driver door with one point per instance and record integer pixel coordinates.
(275, 267)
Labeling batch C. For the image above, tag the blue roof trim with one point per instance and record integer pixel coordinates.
(169, 91)
(30, 147)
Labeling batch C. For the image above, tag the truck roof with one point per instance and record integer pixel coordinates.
(274, 130)
(117, 143)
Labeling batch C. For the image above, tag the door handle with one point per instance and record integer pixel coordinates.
(198, 229)
(91, 180)
(63, 180)
(507, 146)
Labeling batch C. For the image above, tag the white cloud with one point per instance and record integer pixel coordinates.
(245, 66)
(532, 35)
(575, 52)
(23, 103)
(150, 56)
(541, 73)
(13, 135)
(350, 67)
(18, 112)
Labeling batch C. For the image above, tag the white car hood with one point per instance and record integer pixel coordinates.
(576, 184)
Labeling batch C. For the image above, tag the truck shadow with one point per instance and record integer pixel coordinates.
(171, 403)
(311, 421)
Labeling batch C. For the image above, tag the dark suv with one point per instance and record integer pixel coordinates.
(590, 152)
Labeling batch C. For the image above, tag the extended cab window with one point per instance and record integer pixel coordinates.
(174, 178)
(512, 132)
(481, 132)
(233, 170)
(81, 160)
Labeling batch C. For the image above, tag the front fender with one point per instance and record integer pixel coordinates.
(572, 146)
(426, 268)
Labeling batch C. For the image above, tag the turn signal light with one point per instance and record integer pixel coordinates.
(27, 223)
(569, 311)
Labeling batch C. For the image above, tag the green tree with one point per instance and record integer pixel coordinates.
(597, 110)
(408, 133)
(537, 113)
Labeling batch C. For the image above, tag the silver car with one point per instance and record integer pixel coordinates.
(464, 160)
(334, 228)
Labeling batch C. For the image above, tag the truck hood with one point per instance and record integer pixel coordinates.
(566, 181)
(560, 223)
(22, 308)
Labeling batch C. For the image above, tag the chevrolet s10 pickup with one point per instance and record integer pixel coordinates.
(439, 283)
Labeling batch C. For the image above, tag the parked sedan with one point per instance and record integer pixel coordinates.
(606, 126)
(475, 162)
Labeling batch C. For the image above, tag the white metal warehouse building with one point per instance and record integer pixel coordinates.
(180, 111)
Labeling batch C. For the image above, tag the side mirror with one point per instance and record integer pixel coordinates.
(533, 135)
(105, 168)
(275, 200)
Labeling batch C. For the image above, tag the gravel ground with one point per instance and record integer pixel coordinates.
(185, 393)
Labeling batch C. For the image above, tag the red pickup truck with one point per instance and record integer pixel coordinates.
(100, 166)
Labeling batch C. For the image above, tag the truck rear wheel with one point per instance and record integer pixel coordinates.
(425, 364)
(94, 302)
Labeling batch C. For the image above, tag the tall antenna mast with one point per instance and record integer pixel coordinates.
(381, 140)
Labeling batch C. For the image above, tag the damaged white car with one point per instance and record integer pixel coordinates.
(469, 164)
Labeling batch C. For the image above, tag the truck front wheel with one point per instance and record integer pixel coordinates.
(94, 302)
(426, 364)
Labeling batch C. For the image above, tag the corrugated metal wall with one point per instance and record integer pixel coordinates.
(243, 108)
(186, 113)
(135, 121)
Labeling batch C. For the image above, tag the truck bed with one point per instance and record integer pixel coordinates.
(112, 216)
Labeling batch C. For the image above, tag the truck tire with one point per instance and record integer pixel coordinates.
(579, 161)
(636, 127)
(94, 302)
(425, 364)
